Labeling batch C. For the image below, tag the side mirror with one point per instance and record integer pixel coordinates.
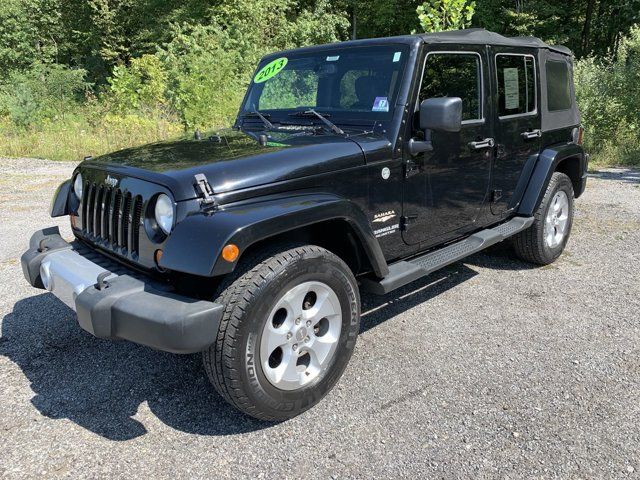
(437, 114)
(441, 114)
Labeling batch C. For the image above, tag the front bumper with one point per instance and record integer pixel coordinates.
(123, 304)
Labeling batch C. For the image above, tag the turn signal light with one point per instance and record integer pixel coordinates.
(230, 252)
(157, 256)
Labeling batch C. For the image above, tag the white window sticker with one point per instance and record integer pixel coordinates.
(334, 58)
(511, 91)
(396, 56)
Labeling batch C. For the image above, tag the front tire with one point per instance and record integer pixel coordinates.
(544, 241)
(287, 333)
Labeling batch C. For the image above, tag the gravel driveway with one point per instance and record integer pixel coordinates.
(489, 368)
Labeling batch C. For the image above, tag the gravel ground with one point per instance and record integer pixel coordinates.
(489, 368)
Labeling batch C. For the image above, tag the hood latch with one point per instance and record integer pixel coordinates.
(204, 188)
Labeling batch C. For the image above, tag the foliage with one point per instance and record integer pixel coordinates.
(142, 84)
(442, 15)
(45, 91)
(607, 91)
(129, 71)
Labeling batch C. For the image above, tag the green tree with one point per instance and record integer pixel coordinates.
(442, 15)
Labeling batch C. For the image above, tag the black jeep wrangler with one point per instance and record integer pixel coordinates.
(361, 165)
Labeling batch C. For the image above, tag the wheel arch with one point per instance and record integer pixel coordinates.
(325, 220)
(569, 159)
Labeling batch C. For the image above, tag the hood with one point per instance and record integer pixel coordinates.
(232, 160)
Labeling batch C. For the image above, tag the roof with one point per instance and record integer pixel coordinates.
(485, 37)
(474, 36)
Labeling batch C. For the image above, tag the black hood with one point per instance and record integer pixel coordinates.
(232, 160)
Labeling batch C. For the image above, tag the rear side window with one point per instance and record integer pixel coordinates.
(454, 75)
(516, 84)
(558, 88)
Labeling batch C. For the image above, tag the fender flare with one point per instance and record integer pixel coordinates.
(546, 164)
(195, 245)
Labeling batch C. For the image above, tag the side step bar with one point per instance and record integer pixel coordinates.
(406, 271)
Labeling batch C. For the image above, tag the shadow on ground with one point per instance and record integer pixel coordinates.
(621, 175)
(100, 384)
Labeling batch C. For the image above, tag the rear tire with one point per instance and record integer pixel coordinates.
(273, 359)
(544, 241)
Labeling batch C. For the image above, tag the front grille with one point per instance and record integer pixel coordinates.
(112, 217)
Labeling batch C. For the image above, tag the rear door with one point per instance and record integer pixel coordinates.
(517, 125)
(445, 188)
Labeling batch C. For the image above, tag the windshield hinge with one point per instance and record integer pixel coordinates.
(204, 188)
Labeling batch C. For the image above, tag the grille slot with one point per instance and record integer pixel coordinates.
(90, 208)
(126, 220)
(135, 224)
(115, 221)
(112, 217)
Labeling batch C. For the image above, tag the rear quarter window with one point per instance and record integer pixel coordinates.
(558, 87)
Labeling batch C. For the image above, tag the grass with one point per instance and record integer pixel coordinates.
(75, 136)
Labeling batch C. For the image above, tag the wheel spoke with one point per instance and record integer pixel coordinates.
(321, 347)
(323, 308)
(562, 223)
(274, 338)
(288, 370)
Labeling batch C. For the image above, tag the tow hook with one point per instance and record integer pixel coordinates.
(102, 283)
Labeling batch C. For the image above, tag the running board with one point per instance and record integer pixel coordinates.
(406, 271)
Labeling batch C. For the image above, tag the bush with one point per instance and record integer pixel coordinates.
(142, 84)
(204, 85)
(607, 92)
(46, 91)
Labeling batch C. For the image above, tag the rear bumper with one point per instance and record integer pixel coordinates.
(126, 306)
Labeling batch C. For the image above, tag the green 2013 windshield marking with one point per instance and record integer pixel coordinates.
(270, 69)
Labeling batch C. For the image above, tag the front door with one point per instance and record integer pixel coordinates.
(517, 126)
(446, 188)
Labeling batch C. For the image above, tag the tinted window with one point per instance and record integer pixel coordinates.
(454, 75)
(558, 89)
(516, 84)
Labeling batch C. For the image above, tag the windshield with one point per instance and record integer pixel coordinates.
(352, 84)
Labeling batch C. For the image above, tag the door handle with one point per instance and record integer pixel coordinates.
(480, 144)
(532, 134)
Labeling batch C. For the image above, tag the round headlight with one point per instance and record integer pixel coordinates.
(77, 186)
(164, 213)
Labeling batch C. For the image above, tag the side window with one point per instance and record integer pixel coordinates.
(558, 89)
(454, 75)
(516, 84)
(300, 87)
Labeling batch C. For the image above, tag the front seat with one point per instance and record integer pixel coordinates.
(365, 92)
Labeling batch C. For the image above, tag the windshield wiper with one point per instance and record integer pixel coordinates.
(334, 128)
(256, 113)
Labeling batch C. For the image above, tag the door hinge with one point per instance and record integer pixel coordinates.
(204, 188)
(410, 168)
(406, 221)
(496, 195)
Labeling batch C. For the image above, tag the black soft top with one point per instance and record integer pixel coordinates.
(473, 36)
(484, 37)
